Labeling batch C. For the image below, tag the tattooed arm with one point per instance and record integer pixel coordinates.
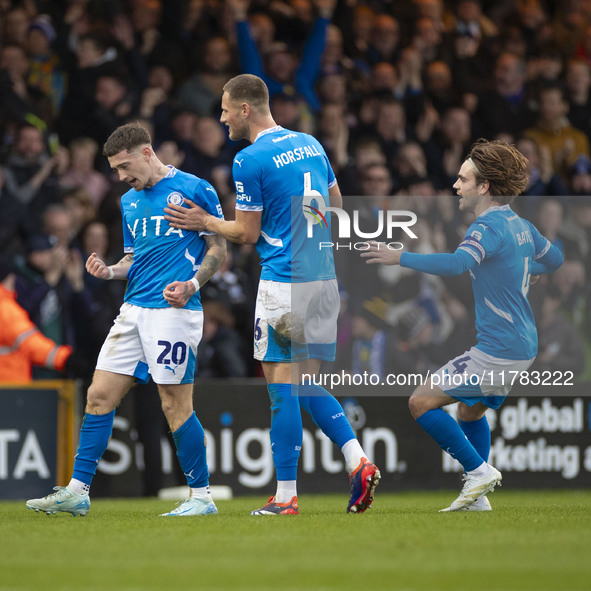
(98, 268)
(178, 293)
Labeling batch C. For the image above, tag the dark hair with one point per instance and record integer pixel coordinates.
(126, 138)
(247, 88)
(503, 166)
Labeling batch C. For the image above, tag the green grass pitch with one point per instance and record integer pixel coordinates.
(532, 540)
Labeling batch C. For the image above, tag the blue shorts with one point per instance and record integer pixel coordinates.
(474, 377)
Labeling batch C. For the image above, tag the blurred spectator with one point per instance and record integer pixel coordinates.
(390, 126)
(428, 39)
(554, 131)
(374, 345)
(333, 134)
(440, 87)
(16, 25)
(201, 92)
(376, 186)
(107, 296)
(468, 48)
(290, 111)
(583, 49)
(367, 150)
(332, 88)
(436, 10)
(13, 224)
(560, 347)
(80, 210)
(568, 27)
(571, 281)
(410, 161)
(81, 171)
(579, 226)
(94, 237)
(471, 22)
(543, 181)
(58, 225)
(542, 178)
(51, 289)
(236, 289)
(384, 43)
(221, 352)
(550, 221)
(529, 17)
(366, 212)
(19, 99)
(95, 56)
(156, 103)
(579, 179)
(31, 173)
(578, 82)
(206, 154)
(358, 28)
(454, 140)
(545, 67)
(282, 72)
(45, 68)
(115, 104)
(505, 107)
(21, 343)
(183, 124)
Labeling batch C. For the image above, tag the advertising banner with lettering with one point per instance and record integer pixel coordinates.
(537, 442)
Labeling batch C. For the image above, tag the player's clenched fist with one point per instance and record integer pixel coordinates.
(178, 293)
(97, 267)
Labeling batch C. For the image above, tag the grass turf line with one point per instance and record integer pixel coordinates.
(536, 540)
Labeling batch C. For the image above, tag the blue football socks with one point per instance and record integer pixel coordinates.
(450, 437)
(189, 439)
(286, 429)
(94, 438)
(327, 413)
(478, 434)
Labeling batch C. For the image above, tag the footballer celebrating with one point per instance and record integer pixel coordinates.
(160, 322)
(501, 251)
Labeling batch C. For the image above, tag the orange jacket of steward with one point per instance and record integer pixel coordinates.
(22, 345)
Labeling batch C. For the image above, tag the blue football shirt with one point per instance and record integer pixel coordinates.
(163, 254)
(271, 176)
(504, 246)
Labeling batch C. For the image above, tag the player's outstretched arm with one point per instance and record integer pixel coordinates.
(245, 229)
(178, 293)
(192, 217)
(378, 252)
(98, 268)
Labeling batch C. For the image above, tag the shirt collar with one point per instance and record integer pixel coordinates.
(495, 208)
(268, 130)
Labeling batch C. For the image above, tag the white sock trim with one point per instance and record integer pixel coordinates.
(78, 486)
(286, 489)
(353, 453)
(480, 470)
(200, 492)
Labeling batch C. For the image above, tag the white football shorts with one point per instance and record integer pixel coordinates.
(157, 342)
(296, 321)
(475, 376)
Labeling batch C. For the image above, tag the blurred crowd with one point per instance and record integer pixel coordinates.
(396, 91)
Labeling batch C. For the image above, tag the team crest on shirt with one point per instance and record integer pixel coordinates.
(175, 198)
